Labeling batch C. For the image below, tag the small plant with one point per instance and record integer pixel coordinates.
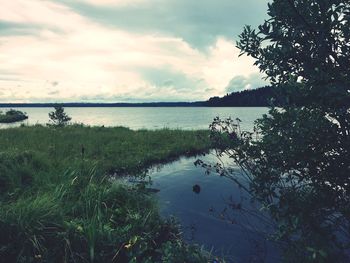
(58, 117)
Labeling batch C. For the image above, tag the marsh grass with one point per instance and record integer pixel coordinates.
(117, 149)
(58, 204)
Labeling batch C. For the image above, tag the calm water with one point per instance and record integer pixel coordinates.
(149, 118)
(240, 235)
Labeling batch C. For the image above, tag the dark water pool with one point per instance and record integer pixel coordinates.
(215, 213)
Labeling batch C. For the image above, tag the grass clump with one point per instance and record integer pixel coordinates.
(88, 219)
(118, 150)
(12, 116)
(59, 204)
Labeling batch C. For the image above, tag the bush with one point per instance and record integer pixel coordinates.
(297, 162)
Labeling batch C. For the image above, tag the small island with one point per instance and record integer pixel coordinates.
(12, 116)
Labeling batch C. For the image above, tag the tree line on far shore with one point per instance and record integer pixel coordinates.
(260, 97)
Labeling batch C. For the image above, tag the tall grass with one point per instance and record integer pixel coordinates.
(88, 219)
(117, 149)
(58, 204)
(38, 156)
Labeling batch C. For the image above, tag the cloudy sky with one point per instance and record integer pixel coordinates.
(124, 50)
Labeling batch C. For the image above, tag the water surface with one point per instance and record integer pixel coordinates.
(221, 217)
(147, 118)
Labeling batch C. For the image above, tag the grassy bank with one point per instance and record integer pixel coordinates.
(12, 116)
(58, 204)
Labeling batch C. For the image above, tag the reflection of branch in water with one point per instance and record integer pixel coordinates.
(247, 218)
(243, 212)
(192, 229)
(242, 179)
(220, 169)
(256, 237)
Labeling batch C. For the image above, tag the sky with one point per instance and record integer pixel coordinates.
(125, 50)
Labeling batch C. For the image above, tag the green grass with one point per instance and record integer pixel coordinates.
(58, 204)
(37, 156)
(12, 116)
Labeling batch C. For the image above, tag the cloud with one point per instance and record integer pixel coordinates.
(168, 78)
(197, 22)
(103, 61)
(54, 83)
(240, 83)
(13, 28)
(114, 3)
(53, 93)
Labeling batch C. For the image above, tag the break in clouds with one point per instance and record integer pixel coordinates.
(118, 50)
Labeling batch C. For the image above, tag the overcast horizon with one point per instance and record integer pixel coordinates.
(124, 51)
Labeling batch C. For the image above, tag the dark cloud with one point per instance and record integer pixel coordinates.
(13, 29)
(166, 77)
(54, 83)
(53, 93)
(168, 82)
(22, 29)
(197, 22)
(240, 83)
(207, 90)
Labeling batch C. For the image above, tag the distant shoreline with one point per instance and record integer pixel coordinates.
(248, 98)
(101, 105)
(118, 105)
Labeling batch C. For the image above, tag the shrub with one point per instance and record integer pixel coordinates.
(58, 117)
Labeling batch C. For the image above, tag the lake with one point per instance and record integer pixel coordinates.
(147, 118)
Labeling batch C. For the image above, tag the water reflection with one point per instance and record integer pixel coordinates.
(196, 189)
(214, 212)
